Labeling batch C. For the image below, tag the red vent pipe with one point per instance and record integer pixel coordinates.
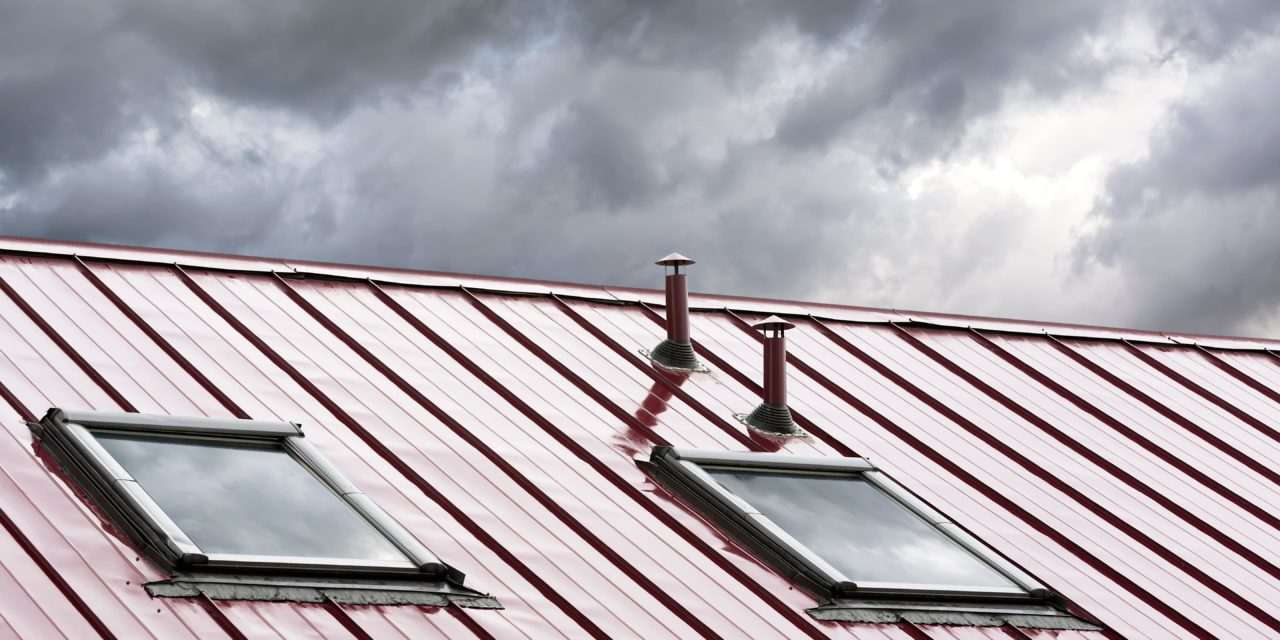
(677, 298)
(676, 352)
(773, 416)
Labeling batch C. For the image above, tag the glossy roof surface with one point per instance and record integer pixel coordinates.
(499, 421)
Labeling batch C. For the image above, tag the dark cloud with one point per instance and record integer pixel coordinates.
(715, 35)
(76, 78)
(601, 158)
(924, 71)
(1212, 29)
(153, 207)
(1191, 229)
(324, 56)
(71, 85)
(571, 140)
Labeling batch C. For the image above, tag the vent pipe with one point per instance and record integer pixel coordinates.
(676, 352)
(773, 416)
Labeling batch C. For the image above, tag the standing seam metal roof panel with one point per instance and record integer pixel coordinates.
(1193, 483)
(502, 430)
(1066, 507)
(530, 458)
(904, 459)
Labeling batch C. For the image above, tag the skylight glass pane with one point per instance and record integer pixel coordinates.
(860, 530)
(232, 498)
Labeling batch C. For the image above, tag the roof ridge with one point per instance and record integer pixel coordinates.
(14, 245)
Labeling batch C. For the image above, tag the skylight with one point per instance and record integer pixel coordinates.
(842, 529)
(861, 531)
(231, 496)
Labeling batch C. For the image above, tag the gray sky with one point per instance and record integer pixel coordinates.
(1091, 161)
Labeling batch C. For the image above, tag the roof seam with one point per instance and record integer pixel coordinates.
(563, 370)
(1132, 435)
(66, 348)
(51, 572)
(787, 612)
(347, 622)
(1110, 467)
(1008, 504)
(383, 451)
(21, 409)
(1236, 373)
(912, 629)
(505, 393)
(1015, 632)
(1159, 407)
(163, 344)
(1203, 392)
(658, 377)
(506, 467)
(220, 617)
(72, 494)
(1065, 488)
(470, 623)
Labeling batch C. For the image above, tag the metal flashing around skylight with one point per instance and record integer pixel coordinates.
(176, 424)
(437, 593)
(971, 614)
(767, 460)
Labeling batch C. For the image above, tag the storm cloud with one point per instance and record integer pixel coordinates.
(1198, 218)
(1045, 161)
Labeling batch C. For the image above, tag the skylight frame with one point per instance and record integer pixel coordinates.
(685, 471)
(70, 435)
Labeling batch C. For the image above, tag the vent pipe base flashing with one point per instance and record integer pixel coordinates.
(676, 354)
(773, 419)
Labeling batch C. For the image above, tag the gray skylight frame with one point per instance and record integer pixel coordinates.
(71, 435)
(684, 471)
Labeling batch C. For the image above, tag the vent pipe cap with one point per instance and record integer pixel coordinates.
(773, 323)
(675, 260)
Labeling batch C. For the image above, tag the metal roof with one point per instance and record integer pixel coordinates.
(499, 420)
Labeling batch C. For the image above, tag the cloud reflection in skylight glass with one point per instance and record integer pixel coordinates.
(860, 530)
(237, 498)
